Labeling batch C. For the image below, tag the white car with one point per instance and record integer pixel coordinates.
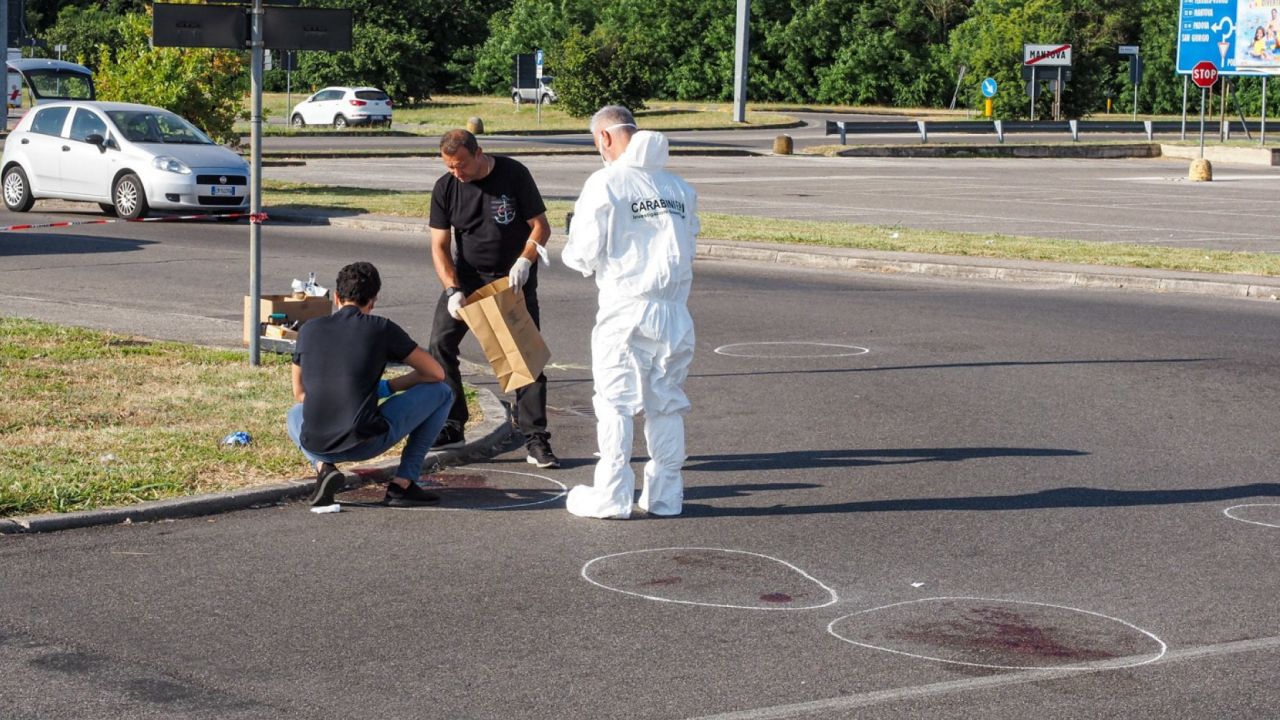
(127, 158)
(343, 106)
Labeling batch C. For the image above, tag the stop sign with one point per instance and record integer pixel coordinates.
(1204, 74)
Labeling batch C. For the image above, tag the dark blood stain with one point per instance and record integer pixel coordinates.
(776, 598)
(664, 581)
(1003, 630)
(456, 480)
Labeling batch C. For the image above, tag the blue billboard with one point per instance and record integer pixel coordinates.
(1240, 37)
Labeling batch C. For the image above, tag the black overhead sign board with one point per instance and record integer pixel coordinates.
(211, 26)
(227, 26)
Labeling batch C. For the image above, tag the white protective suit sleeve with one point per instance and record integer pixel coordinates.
(589, 229)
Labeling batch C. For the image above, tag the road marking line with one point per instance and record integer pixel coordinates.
(848, 702)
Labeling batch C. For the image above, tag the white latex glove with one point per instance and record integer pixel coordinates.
(519, 273)
(456, 301)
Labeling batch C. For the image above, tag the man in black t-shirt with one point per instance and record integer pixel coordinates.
(491, 209)
(337, 380)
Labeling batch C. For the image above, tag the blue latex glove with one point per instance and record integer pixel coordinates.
(384, 389)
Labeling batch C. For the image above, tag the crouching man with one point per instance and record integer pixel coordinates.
(337, 380)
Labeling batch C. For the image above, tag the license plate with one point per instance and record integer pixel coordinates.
(222, 190)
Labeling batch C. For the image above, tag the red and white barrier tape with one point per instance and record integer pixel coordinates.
(253, 218)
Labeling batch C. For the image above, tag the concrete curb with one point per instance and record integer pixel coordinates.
(492, 433)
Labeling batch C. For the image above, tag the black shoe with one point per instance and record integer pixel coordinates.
(412, 496)
(540, 454)
(329, 481)
(449, 436)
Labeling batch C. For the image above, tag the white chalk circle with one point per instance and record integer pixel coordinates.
(762, 350)
(468, 489)
(711, 577)
(1000, 634)
(1264, 514)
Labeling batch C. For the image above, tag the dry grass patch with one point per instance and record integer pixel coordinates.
(95, 419)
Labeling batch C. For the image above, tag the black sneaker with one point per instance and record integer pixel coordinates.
(412, 496)
(540, 454)
(329, 481)
(449, 436)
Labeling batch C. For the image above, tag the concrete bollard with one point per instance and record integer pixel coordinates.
(782, 145)
(1201, 171)
(475, 125)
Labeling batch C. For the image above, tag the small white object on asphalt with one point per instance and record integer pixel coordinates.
(319, 509)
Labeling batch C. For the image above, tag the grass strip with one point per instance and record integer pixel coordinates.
(500, 115)
(97, 419)
(719, 226)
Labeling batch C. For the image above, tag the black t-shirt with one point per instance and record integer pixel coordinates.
(342, 357)
(490, 216)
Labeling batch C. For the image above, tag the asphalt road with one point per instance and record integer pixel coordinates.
(1145, 201)
(1017, 502)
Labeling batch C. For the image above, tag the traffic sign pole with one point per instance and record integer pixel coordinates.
(1202, 99)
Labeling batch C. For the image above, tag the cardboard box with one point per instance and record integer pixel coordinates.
(300, 310)
(280, 332)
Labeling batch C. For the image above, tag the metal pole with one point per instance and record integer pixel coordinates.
(1262, 132)
(959, 80)
(1186, 80)
(741, 54)
(4, 33)
(1137, 62)
(255, 184)
(288, 85)
(1057, 96)
(1202, 94)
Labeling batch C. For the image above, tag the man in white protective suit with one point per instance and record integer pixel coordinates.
(634, 227)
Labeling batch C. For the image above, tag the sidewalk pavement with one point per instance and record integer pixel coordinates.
(496, 428)
(487, 437)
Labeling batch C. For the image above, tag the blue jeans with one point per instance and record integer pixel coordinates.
(418, 412)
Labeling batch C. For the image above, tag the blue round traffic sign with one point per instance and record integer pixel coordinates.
(989, 87)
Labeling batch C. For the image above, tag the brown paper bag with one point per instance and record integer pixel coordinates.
(506, 332)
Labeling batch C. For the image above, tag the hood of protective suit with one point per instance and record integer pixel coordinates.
(635, 226)
(647, 150)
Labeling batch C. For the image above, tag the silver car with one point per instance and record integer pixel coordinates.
(127, 158)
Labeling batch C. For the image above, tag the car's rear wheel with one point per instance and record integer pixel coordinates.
(130, 198)
(108, 208)
(298, 122)
(340, 122)
(17, 191)
(515, 97)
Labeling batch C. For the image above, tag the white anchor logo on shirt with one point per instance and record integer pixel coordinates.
(504, 210)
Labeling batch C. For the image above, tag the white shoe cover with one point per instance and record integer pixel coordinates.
(587, 501)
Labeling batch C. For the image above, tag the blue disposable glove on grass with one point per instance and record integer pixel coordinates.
(384, 389)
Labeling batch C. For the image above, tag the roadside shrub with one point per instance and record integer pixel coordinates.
(203, 85)
(599, 69)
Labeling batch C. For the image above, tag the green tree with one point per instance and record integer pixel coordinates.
(990, 43)
(409, 48)
(204, 86)
(601, 68)
(688, 44)
(82, 30)
(525, 26)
